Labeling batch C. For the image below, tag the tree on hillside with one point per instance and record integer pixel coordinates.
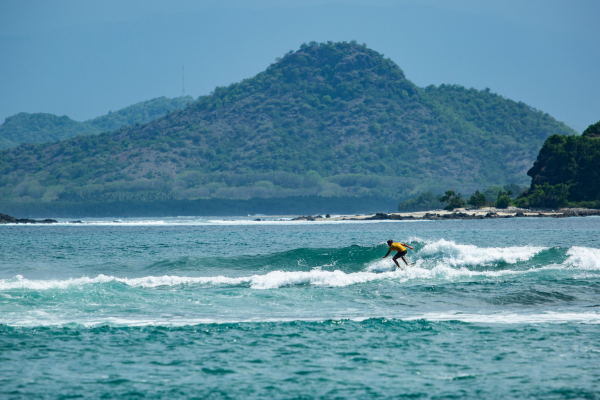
(503, 200)
(454, 200)
(477, 199)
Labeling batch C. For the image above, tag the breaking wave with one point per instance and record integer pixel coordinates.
(463, 254)
(437, 261)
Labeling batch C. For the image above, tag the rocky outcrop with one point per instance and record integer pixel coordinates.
(308, 218)
(7, 219)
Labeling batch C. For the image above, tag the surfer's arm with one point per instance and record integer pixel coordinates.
(405, 245)
(388, 253)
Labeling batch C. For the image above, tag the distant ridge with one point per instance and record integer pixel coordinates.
(331, 119)
(43, 127)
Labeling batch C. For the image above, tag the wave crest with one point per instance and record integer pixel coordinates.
(584, 258)
(458, 255)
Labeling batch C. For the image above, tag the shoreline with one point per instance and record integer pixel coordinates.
(430, 215)
(460, 213)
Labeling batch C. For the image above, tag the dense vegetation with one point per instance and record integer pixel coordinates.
(329, 120)
(567, 172)
(40, 127)
(493, 196)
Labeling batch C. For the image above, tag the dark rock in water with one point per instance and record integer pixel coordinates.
(491, 215)
(588, 213)
(304, 218)
(7, 219)
(380, 216)
(76, 222)
(257, 219)
(328, 216)
(318, 216)
(400, 217)
(520, 214)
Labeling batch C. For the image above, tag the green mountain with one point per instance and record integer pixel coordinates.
(566, 172)
(40, 127)
(328, 120)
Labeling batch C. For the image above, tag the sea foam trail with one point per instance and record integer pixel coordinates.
(271, 280)
(458, 255)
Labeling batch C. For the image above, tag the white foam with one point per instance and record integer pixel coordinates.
(463, 254)
(583, 258)
(337, 278)
(271, 280)
(147, 282)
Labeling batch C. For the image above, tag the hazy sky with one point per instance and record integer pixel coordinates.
(83, 58)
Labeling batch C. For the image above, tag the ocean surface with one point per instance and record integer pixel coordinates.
(240, 309)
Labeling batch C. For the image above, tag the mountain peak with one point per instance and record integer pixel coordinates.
(340, 57)
(331, 119)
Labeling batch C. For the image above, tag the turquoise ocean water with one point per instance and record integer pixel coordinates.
(233, 308)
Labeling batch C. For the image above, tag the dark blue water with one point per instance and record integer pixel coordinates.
(189, 308)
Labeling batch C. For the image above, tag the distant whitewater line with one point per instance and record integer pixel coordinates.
(474, 318)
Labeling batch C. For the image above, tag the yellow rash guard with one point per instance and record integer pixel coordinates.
(397, 247)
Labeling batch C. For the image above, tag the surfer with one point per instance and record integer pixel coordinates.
(401, 251)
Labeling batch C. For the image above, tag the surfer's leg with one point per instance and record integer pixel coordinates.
(395, 258)
(401, 254)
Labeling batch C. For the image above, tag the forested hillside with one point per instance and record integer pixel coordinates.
(41, 127)
(329, 120)
(566, 172)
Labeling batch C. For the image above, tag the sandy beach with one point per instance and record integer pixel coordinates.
(461, 213)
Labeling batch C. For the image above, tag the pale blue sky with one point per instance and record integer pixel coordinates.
(83, 58)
